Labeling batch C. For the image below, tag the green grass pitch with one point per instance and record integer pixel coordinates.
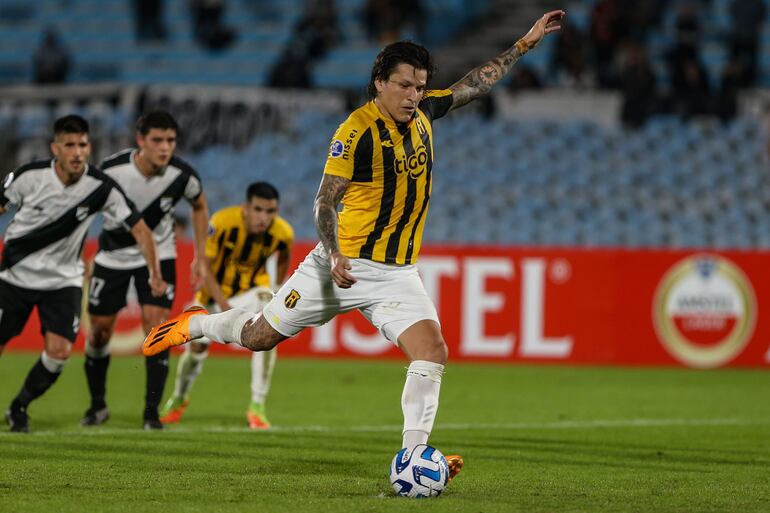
(534, 438)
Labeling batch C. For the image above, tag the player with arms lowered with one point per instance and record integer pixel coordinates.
(155, 180)
(241, 239)
(41, 265)
(380, 168)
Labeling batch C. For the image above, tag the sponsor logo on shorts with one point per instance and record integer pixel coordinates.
(336, 148)
(291, 299)
(704, 311)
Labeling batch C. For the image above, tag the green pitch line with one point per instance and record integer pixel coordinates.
(535, 439)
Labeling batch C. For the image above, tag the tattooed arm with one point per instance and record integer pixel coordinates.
(325, 213)
(479, 81)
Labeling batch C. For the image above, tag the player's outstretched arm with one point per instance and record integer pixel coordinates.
(329, 195)
(480, 80)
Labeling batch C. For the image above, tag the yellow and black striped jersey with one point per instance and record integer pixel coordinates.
(238, 258)
(389, 168)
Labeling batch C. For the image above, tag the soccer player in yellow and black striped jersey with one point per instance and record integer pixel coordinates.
(380, 167)
(241, 240)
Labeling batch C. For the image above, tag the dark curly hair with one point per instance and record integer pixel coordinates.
(401, 52)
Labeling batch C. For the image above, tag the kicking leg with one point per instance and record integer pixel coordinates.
(243, 327)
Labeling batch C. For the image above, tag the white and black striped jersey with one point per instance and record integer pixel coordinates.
(154, 198)
(42, 245)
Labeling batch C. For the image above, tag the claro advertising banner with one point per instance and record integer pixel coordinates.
(699, 309)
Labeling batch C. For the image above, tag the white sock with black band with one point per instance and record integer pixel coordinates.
(223, 327)
(419, 401)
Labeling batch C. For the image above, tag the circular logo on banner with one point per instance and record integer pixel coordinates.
(704, 311)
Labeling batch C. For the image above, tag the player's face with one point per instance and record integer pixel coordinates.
(259, 214)
(157, 147)
(71, 152)
(399, 95)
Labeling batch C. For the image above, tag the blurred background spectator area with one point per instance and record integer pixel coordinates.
(641, 124)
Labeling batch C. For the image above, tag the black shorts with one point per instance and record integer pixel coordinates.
(108, 287)
(59, 310)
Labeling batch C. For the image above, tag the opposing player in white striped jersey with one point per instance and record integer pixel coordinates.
(154, 180)
(56, 201)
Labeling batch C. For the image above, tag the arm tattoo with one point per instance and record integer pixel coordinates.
(325, 210)
(479, 81)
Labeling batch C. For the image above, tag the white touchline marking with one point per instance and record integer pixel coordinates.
(566, 424)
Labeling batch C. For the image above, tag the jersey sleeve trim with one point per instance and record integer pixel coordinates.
(436, 103)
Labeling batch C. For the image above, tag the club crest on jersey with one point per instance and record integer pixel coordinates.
(291, 299)
(336, 148)
(81, 212)
(166, 203)
(8, 180)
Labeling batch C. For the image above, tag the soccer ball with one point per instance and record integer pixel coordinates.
(419, 473)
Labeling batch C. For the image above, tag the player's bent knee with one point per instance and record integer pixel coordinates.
(101, 331)
(99, 337)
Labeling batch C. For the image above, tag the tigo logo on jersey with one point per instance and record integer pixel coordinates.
(414, 164)
(335, 150)
(704, 311)
(291, 299)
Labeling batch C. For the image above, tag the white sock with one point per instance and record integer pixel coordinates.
(262, 363)
(190, 366)
(419, 401)
(223, 327)
(97, 352)
(52, 365)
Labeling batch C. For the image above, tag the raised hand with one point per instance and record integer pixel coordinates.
(549, 22)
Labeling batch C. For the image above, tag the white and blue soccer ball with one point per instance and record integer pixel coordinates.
(419, 473)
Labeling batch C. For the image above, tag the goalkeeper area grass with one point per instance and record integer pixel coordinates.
(534, 438)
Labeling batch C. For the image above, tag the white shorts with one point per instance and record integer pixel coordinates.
(391, 297)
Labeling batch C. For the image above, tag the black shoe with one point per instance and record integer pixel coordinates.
(153, 424)
(18, 419)
(95, 416)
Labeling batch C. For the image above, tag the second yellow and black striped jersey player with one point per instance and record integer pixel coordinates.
(389, 168)
(238, 258)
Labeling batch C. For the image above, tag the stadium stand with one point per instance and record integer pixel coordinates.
(673, 184)
(669, 183)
